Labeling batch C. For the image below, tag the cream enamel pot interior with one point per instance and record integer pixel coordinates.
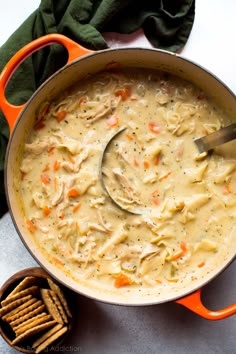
(20, 118)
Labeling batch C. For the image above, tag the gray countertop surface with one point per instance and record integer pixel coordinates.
(107, 329)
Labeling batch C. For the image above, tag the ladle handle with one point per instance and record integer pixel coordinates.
(75, 51)
(193, 302)
(217, 138)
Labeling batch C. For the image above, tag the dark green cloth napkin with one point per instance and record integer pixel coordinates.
(166, 23)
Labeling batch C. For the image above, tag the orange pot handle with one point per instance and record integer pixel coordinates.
(75, 51)
(193, 302)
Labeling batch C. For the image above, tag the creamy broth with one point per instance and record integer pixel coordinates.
(186, 201)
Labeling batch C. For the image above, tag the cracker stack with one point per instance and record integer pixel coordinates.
(38, 315)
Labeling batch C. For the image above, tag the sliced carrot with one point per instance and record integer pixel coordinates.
(122, 280)
(158, 281)
(62, 215)
(155, 200)
(146, 164)
(55, 184)
(77, 225)
(61, 115)
(51, 151)
(129, 136)
(177, 255)
(200, 265)
(153, 127)
(113, 65)
(201, 96)
(46, 168)
(45, 178)
(173, 280)
(156, 160)
(113, 121)
(58, 261)
(44, 109)
(136, 162)
(46, 211)
(56, 165)
(22, 175)
(39, 125)
(73, 193)
(181, 252)
(76, 207)
(227, 189)
(124, 93)
(155, 192)
(82, 100)
(164, 176)
(30, 225)
(71, 158)
(183, 246)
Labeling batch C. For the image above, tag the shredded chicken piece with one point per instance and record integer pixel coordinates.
(111, 266)
(106, 226)
(87, 179)
(121, 151)
(59, 196)
(150, 223)
(81, 258)
(37, 147)
(125, 183)
(95, 202)
(179, 151)
(118, 236)
(97, 227)
(85, 257)
(67, 228)
(98, 112)
(75, 167)
(126, 201)
(149, 250)
(38, 199)
(72, 145)
(26, 165)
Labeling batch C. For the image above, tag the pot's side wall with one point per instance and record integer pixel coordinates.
(50, 89)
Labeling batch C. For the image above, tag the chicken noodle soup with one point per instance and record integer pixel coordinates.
(187, 200)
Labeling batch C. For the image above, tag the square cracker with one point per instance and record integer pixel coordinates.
(15, 304)
(57, 302)
(15, 327)
(32, 331)
(34, 322)
(51, 339)
(47, 334)
(28, 315)
(60, 294)
(25, 283)
(51, 306)
(33, 290)
(13, 316)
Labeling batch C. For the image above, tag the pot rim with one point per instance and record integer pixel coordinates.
(28, 103)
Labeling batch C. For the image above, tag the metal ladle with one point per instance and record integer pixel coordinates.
(133, 210)
(217, 138)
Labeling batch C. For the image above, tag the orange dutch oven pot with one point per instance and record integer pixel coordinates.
(80, 62)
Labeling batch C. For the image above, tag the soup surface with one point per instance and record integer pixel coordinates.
(146, 210)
